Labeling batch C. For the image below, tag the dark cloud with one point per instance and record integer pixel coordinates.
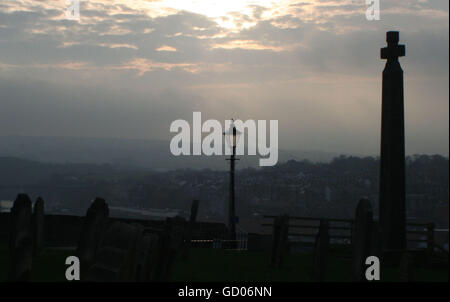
(314, 66)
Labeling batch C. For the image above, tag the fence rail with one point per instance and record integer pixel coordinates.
(222, 241)
(342, 232)
(426, 232)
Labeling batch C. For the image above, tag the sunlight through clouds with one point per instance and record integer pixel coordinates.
(312, 56)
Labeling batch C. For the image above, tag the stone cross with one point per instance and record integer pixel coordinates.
(38, 226)
(392, 156)
(21, 242)
(393, 51)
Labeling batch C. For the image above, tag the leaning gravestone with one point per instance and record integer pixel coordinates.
(38, 226)
(115, 259)
(280, 240)
(146, 258)
(321, 248)
(158, 253)
(94, 226)
(171, 243)
(21, 242)
(362, 238)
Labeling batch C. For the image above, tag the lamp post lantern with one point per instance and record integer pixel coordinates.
(232, 137)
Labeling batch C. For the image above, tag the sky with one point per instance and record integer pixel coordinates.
(129, 68)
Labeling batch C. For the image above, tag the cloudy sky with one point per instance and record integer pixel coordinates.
(128, 68)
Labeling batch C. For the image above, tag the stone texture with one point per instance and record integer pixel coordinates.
(94, 226)
(38, 226)
(362, 238)
(21, 240)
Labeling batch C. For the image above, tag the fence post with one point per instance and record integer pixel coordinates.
(279, 240)
(351, 233)
(321, 250)
(430, 237)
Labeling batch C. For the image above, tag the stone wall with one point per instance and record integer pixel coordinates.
(65, 230)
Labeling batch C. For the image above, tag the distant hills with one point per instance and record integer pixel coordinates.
(131, 153)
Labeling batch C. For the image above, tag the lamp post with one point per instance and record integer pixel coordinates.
(232, 137)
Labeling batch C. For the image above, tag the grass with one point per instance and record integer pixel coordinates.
(48, 267)
(229, 265)
(226, 265)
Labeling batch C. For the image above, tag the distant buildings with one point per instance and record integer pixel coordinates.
(6, 205)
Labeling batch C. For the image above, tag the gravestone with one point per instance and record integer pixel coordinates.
(362, 235)
(38, 226)
(147, 258)
(158, 255)
(392, 156)
(193, 218)
(280, 240)
(94, 226)
(407, 267)
(176, 227)
(21, 242)
(375, 243)
(116, 258)
(321, 249)
(171, 243)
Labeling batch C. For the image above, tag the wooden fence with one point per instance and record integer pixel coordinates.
(342, 230)
(221, 241)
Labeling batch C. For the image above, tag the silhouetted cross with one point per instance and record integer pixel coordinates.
(393, 50)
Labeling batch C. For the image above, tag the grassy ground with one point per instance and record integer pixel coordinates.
(226, 265)
(48, 267)
(229, 265)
